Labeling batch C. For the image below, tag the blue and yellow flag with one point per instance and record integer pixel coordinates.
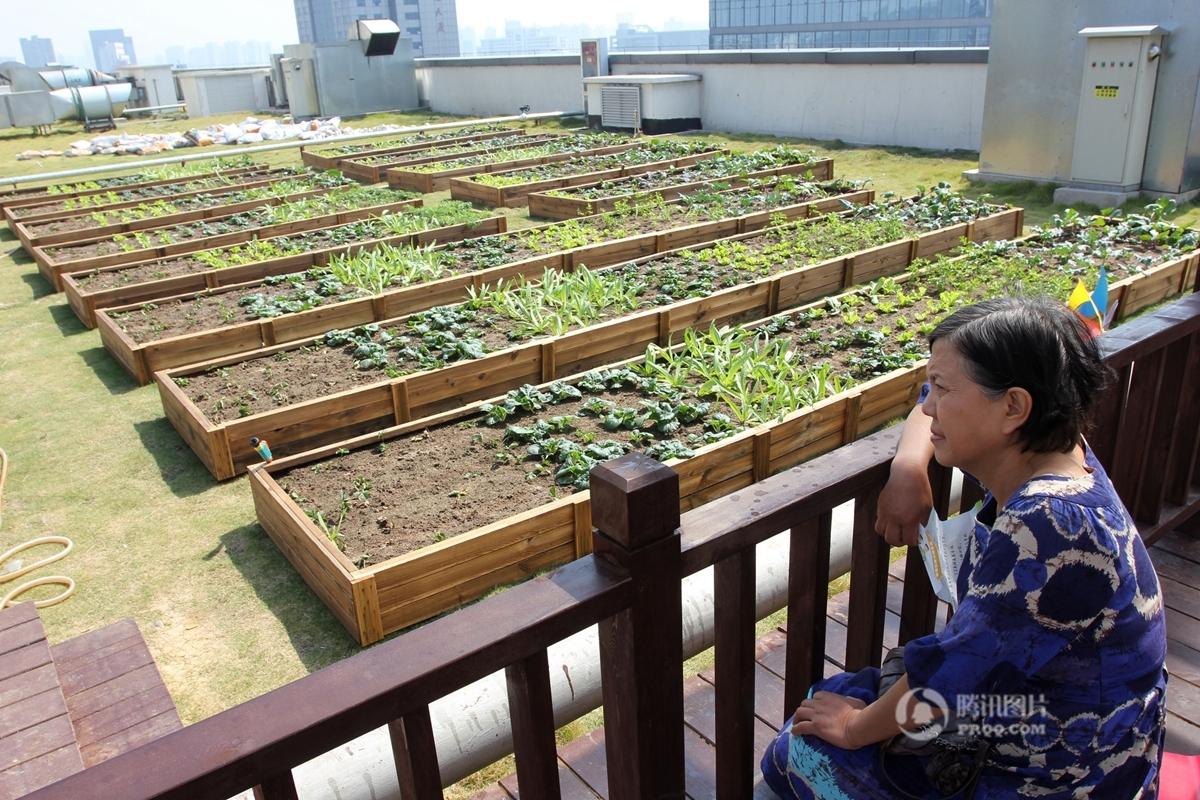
(1092, 306)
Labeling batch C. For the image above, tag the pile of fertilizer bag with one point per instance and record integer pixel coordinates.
(248, 131)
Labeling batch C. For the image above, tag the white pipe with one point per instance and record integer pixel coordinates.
(472, 727)
(263, 148)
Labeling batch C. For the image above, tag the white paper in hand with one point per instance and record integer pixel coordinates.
(943, 545)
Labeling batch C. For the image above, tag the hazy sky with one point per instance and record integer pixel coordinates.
(158, 24)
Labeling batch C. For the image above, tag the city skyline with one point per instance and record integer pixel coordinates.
(156, 26)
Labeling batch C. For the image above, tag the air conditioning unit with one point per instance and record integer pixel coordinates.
(621, 107)
(664, 103)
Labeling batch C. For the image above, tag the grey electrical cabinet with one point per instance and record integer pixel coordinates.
(1119, 74)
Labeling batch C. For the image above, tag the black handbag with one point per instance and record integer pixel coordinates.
(953, 760)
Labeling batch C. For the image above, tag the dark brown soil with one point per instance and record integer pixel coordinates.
(164, 268)
(435, 485)
(289, 377)
(202, 313)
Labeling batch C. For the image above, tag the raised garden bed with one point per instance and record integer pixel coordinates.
(288, 250)
(101, 225)
(325, 157)
(185, 171)
(101, 203)
(511, 188)
(373, 168)
(436, 176)
(191, 328)
(316, 210)
(403, 369)
(392, 528)
(730, 170)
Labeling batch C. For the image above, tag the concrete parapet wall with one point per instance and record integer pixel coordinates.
(913, 98)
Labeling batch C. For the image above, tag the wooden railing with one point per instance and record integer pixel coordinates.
(630, 586)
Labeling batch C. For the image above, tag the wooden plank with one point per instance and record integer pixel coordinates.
(868, 577)
(31, 710)
(23, 659)
(1183, 736)
(532, 712)
(41, 771)
(42, 678)
(733, 597)
(142, 732)
(808, 577)
(35, 741)
(304, 549)
(22, 634)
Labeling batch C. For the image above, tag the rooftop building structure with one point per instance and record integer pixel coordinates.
(111, 48)
(37, 51)
(431, 24)
(799, 24)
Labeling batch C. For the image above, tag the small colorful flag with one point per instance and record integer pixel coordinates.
(1093, 306)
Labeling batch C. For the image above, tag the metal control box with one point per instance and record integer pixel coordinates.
(1113, 123)
(593, 62)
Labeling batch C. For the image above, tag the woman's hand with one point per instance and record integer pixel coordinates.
(829, 716)
(907, 497)
(904, 504)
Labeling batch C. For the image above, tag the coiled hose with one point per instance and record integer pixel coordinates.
(10, 598)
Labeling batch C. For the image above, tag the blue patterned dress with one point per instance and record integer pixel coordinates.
(1060, 604)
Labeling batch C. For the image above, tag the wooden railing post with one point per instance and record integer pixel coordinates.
(635, 511)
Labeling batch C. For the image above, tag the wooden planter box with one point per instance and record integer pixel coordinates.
(394, 594)
(37, 244)
(315, 159)
(437, 181)
(18, 222)
(143, 360)
(517, 194)
(85, 303)
(374, 173)
(35, 195)
(55, 271)
(32, 240)
(222, 445)
(551, 207)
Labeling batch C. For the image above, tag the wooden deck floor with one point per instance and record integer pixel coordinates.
(581, 764)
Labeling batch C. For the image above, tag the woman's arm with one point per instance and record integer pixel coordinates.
(907, 497)
(848, 723)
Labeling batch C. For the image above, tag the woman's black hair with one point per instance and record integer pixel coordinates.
(1040, 346)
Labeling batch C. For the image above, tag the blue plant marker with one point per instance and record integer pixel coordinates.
(261, 447)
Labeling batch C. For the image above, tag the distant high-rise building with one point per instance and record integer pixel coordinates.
(431, 24)
(37, 51)
(791, 24)
(111, 48)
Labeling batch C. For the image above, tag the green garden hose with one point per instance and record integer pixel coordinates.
(10, 598)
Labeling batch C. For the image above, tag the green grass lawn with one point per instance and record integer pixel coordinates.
(157, 539)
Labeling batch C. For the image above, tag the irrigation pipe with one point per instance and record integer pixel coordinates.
(9, 599)
(265, 148)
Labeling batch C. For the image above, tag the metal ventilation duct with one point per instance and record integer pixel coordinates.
(41, 98)
(380, 35)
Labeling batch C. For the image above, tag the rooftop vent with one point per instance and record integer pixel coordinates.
(380, 35)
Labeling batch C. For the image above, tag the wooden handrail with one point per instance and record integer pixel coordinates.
(252, 742)
(1149, 442)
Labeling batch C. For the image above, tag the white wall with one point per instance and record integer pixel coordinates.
(497, 90)
(212, 93)
(928, 105)
(938, 106)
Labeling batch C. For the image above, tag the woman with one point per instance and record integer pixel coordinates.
(1054, 657)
